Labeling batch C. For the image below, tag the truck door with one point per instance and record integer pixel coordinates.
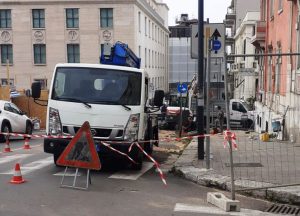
(237, 111)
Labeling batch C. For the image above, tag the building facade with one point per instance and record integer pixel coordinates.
(236, 12)
(182, 67)
(245, 69)
(36, 35)
(279, 101)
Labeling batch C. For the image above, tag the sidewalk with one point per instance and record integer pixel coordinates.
(258, 164)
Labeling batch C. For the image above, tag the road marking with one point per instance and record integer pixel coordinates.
(30, 167)
(132, 174)
(180, 207)
(9, 158)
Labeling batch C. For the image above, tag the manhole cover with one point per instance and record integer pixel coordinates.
(283, 209)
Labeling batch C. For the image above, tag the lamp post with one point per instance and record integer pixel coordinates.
(200, 96)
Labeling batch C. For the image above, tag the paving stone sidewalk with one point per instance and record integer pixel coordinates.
(263, 164)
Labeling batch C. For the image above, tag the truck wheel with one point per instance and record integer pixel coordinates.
(139, 160)
(55, 158)
(148, 147)
(28, 130)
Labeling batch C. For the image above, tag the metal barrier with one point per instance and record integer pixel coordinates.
(258, 164)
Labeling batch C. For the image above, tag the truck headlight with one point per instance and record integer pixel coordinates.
(132, 128)
(55, 127)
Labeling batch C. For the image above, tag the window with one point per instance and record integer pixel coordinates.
(145, 57)
(43, 83)
(139, 21)
(152, 58)
(278, 72)
(271, 9)
(152, 31)
(244, 48)
(6, 53)
(99, 85)
(39, 51)
(236, 106)
(280, 5)
(5, 18)
(73, 53)
(149, 27)
(106, 17)
(145, 26)
(140, 51)
(10, 107)
(38, 18)
(270, 71)
(5, 83)
(149, 55)
(72, 16)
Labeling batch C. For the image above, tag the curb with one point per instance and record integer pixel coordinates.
(210, 178)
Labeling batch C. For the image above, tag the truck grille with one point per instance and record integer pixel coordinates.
(97, 132)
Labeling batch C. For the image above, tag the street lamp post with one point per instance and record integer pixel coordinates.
(200, 96)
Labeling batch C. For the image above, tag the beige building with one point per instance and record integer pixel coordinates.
(37, 34)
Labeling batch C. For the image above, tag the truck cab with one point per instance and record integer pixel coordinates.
(112, 98)
(241, 114)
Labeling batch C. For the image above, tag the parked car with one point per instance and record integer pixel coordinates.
(13, 120)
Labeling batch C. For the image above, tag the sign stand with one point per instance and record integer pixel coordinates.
(88, 180)
(80, 153)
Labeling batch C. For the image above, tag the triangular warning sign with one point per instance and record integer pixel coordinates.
(81, 151)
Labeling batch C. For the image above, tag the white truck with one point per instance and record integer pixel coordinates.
(113, 99)
(241, 114)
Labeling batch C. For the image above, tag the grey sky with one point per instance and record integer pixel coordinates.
(215, 10)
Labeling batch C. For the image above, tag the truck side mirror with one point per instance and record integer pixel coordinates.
(36, 90)
(158, 98)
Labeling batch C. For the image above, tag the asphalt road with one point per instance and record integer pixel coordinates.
(116, 190)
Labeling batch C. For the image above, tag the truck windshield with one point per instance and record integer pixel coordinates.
(247, 106)
(97, 85)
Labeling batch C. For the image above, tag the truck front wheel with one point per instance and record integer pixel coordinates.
(139, 161)
(55, 158)
(148, 147)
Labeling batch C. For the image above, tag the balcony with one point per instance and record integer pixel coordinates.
(258, 40)
(231, 14)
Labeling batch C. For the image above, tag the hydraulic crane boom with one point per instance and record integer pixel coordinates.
(119, 54)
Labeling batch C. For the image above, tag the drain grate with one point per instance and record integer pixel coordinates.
(283, 209)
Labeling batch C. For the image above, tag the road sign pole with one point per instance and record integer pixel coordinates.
(180, 116)
(207, 146)
(200, 96)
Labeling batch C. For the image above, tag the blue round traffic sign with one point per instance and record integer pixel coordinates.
(216, 45)
(182, 87)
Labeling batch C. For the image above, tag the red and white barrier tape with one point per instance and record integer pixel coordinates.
(70, 137)
(36, 136)
(115, 150)
(230, 136)
(151, 158)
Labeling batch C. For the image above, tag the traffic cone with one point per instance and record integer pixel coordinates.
(17, 178)
(7, 148)
(26, 144)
